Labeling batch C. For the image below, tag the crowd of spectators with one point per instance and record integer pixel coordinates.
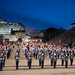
(66, 37)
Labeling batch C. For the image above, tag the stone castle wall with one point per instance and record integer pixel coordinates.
(6, 29)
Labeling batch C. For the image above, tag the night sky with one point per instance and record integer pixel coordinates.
(39, 14)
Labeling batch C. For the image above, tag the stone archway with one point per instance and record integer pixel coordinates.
(20, 39)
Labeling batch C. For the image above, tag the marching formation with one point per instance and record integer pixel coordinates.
(5, 52)
(39, 51)
(42, 50)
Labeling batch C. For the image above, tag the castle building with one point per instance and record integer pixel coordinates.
(17, 31)
(73, 25)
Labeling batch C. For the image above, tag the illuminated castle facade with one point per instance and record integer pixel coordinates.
(17, 30)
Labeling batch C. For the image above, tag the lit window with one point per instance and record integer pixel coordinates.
(1, 22)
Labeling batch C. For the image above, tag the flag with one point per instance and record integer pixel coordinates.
(3, 40)
(50, 43)
(59, 42)
(53, 44)
(18, 42)
(38, 43)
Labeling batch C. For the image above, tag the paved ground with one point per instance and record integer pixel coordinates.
(10, 68)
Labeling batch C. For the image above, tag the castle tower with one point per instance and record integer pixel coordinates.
(73, 25)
